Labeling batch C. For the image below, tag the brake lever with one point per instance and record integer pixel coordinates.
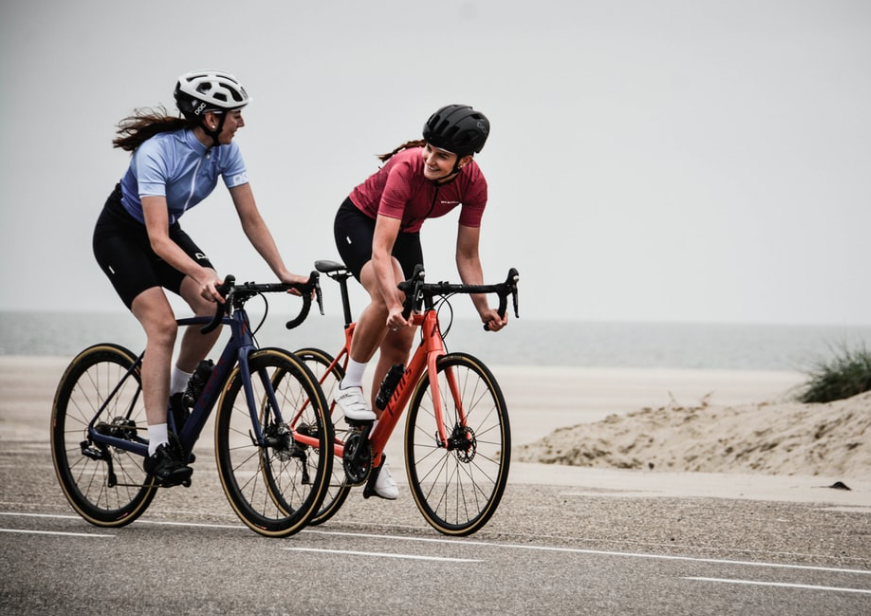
(225, 289)
(319, 294)
(411, 288)
(510, 286)
(312, 285)
(514, 277)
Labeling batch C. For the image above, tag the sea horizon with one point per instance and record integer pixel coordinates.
(693, 345)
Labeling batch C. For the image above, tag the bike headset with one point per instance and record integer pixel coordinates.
(201, 91)
(457, 129)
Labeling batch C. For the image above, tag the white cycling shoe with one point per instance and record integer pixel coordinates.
(385, 487)
(354, 405)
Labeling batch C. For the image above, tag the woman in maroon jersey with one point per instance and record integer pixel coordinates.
(377, 232)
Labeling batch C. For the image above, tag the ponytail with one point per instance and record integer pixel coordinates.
(408, 144)
(144, 124)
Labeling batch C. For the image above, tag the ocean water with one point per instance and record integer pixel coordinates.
(524, 342)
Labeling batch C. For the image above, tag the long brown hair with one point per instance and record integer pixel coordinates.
(144, 124)
(408, 144)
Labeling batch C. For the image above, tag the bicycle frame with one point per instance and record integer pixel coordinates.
(424, 360)
(234, 356)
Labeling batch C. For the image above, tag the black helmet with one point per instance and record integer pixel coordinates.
(458, 129)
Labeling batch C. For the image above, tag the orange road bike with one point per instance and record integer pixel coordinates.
(274, 482)
(457, 437)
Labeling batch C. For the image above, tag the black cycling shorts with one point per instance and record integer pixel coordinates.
(354, 231)
(124, 252)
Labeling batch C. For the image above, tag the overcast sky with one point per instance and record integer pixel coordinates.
(649, 160)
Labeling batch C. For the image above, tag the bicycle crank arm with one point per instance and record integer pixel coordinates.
(369, 490)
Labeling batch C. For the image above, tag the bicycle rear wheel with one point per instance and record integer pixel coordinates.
(277, 486)
(319, 362)
(105, 485)
(458, 485)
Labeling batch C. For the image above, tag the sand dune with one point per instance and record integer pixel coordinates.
(783, 438)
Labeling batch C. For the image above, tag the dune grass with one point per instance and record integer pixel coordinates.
(846, 374)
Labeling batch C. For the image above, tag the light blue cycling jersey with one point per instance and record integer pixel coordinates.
(176, 165)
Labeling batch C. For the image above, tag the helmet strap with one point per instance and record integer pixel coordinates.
(217, 131)
(457, 167)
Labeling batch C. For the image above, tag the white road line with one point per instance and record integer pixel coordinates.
(56, 516)
(50, 532)
(238, 526)
(385, 555)
(467, 542)
(544, 548)
(781, 585)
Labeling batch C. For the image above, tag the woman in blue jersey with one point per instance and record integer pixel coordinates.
(141, 247)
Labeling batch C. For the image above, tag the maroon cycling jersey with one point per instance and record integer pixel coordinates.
(399, 190)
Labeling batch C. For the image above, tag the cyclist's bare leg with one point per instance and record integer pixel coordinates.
(372, 333)
(194, 345)
(372, 322)
(153, 311)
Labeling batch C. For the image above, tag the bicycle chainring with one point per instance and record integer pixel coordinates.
(357, 458)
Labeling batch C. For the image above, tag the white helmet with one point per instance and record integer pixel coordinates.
(201, 91)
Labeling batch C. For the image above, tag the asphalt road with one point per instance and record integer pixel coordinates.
(550, 549)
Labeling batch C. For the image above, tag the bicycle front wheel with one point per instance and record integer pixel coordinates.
(319, 363)
(276, 484)
(105, 485)
(458, 484)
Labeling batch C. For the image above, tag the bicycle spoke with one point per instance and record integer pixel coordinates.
(88, 383)
(273, 483)
(457, 484)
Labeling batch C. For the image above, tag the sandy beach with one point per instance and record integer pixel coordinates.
(731, 434)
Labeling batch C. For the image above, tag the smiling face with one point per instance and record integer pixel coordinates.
(233, 121)
(439, 164)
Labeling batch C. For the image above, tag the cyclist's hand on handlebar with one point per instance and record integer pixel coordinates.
(395, 320)
(209, 290)
(289, 278)
(492, 321)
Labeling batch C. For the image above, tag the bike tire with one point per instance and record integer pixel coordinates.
(337, 492)
(86, 384)
(458, 488)
(274, 489)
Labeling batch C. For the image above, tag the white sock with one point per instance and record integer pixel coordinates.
(157, 436)
(353, 374)
(178, 382)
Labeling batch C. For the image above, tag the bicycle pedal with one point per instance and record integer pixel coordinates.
(358, 423)
(176, 479)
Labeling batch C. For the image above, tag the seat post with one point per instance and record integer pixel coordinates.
(346, 300)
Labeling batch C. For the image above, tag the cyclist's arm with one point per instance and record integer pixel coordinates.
(259, 235)
(156, 214)
(471, 272)
(386, 232)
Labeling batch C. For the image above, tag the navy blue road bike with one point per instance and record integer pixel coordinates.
(274, 475)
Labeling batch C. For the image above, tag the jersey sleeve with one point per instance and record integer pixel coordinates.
(234, 171)
(397, 191)
(474, 202)
(152, 170)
